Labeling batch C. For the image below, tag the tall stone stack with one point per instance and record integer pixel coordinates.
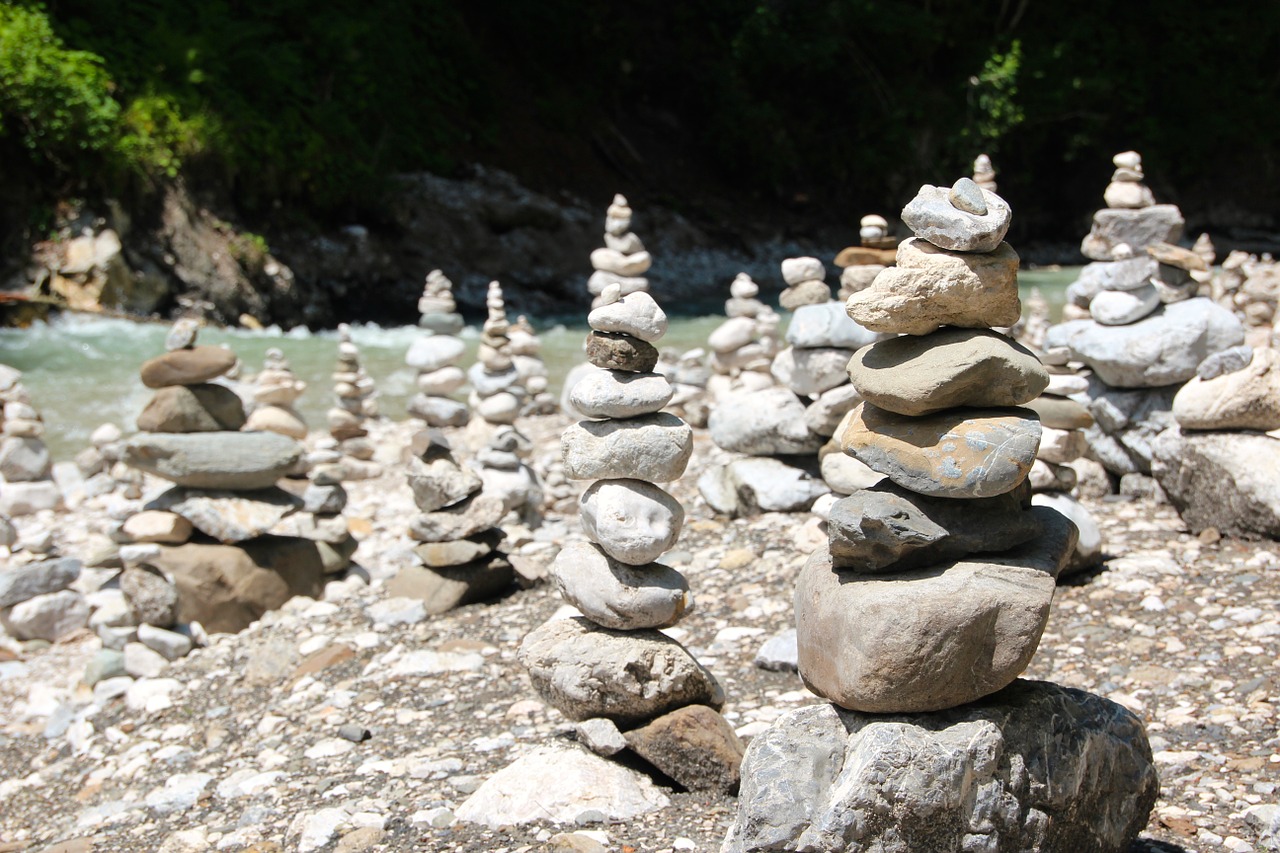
(1249, 286)
(435, 355)
(532, 370)
(623, 260)
(457, 531)
(860, 264)
(806, 283)
(984, 174)
(496, 392)
(932, 595)
(610, 667)
(234, 544)
(1145, 331)
(26, 467)
(356, 404)
(276, 392)
(743, 346)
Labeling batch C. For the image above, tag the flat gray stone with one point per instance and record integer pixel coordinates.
(18, 583)
(810, 371)
(1121, 307)
(1033, 767)
(49, 616)
(229, 516)
(438, 411)
(433, 352)
(214, 460)
(620, 394)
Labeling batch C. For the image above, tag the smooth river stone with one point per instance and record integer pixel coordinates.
(1121, 307)
(187, 366)
(930, 638)
(932, 216)
(653, 447)
(1248, 398)
(770, 422)
(433, 352)
(826, 325)
(1059, 413)
(636, 314)
(192, 408)
(799, 270)
(486, 383)
(958, 453)
(438, 411)
(931, 287)
(733, 334)
(889, 528)
(620, 393)
(1164, 348)
(949, 368)
(585, 671)
(631, 520)
(441, 381)
(613, 261)
(621, 352)
(810, 371)
(618, 595)
(214, 460)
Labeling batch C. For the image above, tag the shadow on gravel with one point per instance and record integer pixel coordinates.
(1150, 845)
(1085, 576)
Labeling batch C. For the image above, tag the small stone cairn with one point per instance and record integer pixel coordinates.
(496, 392)
(457, 531)
(532, 370)
(102, 466)
(743, 346)
(860, 264)
(356, 398)
(1249, 286)
(224, 543)
(1218, 465)
(623, 260)
(26, 467)
(806, 285)
(276, 390)
(610, 669)
(435, 355)
(984, 174)
(1141, 329)
(933, 593)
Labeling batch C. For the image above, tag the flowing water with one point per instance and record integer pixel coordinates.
(82, 370)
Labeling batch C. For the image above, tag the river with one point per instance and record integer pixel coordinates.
(82, 370)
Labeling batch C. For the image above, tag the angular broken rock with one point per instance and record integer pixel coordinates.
(628, 676)
(446, 587)
(693, 745)
(932, 216)
(192, 408)
(763, 423)
(438, 481)
(458, 521)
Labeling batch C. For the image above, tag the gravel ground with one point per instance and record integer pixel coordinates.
(240, 746)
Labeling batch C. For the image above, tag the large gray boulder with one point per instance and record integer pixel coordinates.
(763, 423)
(1033, 767)
(753, 485)
(1164, 348)
(930, 638)
(1226, 480)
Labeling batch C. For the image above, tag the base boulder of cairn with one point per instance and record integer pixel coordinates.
(1033, 767)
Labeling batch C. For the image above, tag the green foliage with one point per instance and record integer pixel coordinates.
(993, 96)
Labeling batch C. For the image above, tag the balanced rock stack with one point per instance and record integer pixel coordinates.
(532, 370)
(743, 347)
(356, 399)
(1249, 286)
(1131, 216)
(610, 667)
(496, 392)
(806, 284)
(859, 265)
(275, 392)
(1063, 421)
(232, 542)
(506, 476)
(623, 260)
(102, 465)
(1030, 331)
(1218, 465)
(26, 467)
(36, 599)
(435, 355)
(933, 594)
(457, 532)
(1145, 329)
(984, 174)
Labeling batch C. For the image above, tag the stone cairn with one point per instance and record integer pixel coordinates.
(984, 174)
(435, 355)
(610, 669)
(496, 392)
(223, 544)
(743, 346)
(457, 531)
(806, 285)
(933, 592)
(1140, 328)
(623, 260)
(276, 390)
(1249, 286)
(101, 464)
(1218, 465)
(859, 265)
(356, 405)
(26, 467)
(532, 370)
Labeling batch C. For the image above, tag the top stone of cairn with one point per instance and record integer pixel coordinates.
(963, 218)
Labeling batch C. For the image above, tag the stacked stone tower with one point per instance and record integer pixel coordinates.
(623, 260)
(276, 391)
(611, 662)
(356, 399)
(743, 346)
(26, 468)
(934, 591)
(435, 356)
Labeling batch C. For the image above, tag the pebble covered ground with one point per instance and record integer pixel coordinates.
(356, 723)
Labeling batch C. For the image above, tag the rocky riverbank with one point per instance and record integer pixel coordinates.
(358, 723)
